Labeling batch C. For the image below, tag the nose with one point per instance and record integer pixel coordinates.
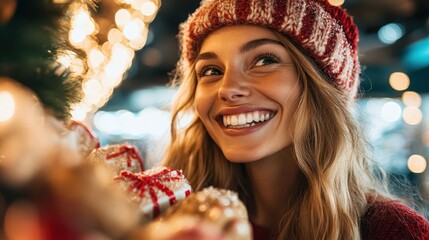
(233, 87)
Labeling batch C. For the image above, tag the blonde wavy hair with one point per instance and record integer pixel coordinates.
(337, 176)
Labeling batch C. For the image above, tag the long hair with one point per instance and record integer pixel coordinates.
(337, 175)
(331, 151)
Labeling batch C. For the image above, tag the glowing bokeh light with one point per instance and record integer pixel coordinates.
(154, 122)
(128, 117)
(390, 33)
(79, 113)
(91, 86)
(81, 19)
(114, 36)
(7, 106)
(106, 122)
(122, 53)
(114, 69)
(391, 112)
(133, 29)
(336, 2)
(399, 81)
(81, 26)
(106, 61)
(136, 4)
(88, 44)
(89, 28)
(77, 36)
(106, 48)
(122, 17)
(149, 8)
(96, 58)
(412, 99)
(417, 163)
(138, 43)
(92, 89)
(412, 115)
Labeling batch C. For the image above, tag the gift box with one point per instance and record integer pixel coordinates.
(155, 190)
(120, 157)
(207, 213)
(214, 204)
(80, 138)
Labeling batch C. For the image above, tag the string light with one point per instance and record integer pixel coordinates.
(133, 29)
(122, 16)
(106, 62)
(148, 8)
(115, 36)
(95, 58)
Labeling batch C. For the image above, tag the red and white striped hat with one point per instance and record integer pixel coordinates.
(325, 32)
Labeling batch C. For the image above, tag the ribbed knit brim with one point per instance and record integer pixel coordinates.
(326, 33)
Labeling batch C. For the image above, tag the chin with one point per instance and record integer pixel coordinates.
(241, 157)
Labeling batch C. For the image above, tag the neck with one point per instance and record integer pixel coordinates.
(272, 180)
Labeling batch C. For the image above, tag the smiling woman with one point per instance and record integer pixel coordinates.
(242, 78)
(272, 85)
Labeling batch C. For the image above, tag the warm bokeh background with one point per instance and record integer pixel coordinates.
(394, 50)
(129, 47)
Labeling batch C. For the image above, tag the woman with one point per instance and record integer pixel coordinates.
(271, 85)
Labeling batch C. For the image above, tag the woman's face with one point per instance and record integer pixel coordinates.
(247, 92)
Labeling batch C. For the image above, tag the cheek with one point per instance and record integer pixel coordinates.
(202, 103)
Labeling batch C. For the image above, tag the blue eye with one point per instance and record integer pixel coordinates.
(209, 71)
(265, 59)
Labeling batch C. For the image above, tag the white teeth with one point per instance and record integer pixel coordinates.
(249, 118)
(246, 119)
(255, 116)
(234, 120)
(241, 119)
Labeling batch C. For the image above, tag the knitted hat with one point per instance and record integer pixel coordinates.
(326, 33)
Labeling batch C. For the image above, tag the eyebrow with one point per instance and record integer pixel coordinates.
(246, 47)
(257, 43)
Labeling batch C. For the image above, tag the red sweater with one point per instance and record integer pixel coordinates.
(382, 220)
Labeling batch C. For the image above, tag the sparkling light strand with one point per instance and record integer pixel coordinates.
(108, 61)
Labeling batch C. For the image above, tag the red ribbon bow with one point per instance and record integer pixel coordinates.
(143, 182)
(131, 153)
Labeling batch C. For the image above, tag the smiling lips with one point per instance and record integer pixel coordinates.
(248, 119)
